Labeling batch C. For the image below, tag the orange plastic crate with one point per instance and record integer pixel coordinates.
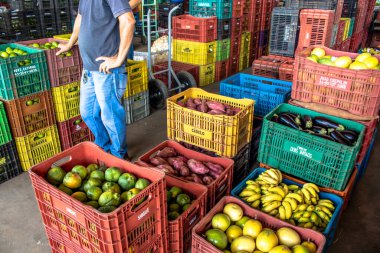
(274, 66)
(187, 27)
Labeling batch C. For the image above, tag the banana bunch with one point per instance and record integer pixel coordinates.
(299, 206)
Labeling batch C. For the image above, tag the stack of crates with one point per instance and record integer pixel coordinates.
(25, 92)
(163, 13)
(194, 42)
(136, 97)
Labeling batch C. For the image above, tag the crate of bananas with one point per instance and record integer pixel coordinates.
(302, 205)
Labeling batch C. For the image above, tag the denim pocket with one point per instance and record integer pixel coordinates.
(121, 85)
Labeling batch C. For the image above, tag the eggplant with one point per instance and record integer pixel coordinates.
(308, 131)
(295, 117)
(338, 137)
(287, 120)
(324, 136)
(319, 130)
(306, 122)
(327, 123)
(350, 135)
(275, 118)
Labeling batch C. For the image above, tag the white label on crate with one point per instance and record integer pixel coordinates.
(192, 220)
(72, 212)
(333, 82)
(302, 151)
(143, 214)
(197, 132)
(287, 33)
(25, 70)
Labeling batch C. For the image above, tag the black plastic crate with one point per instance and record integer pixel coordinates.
(74, 5)
(63, 20)
(48, 23)
(23, 4)
(349, 8)
(224, 28)
(163, 12)
(283, 33)
(316, 4)
(9, 162)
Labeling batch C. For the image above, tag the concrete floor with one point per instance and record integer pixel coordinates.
(21, 228)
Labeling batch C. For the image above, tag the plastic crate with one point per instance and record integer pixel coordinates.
(62, 69)
(243, 61)
(264, 38)
(245, 43)
(345, 46)
(9, 162)
(63, 17)
(224, 28)
(207, 8)
(338, 202)
(65, 37)
(356, 41)
(349, 8)
(73, 131)
(236, 26)
(201, 245)
(237, 8)
(316, 27)
(283, 33)
(370, 128)
(235, 45)
(221, 70)
(346, 28)
(267, 93)
(223, 49)
(219, 187)
(206, 74)
(66, 101)
(125, 229)
(224, 135)
(351, 30)
(20, 81)
(233, 64)
(48, 23)
(362, 164)
(38, 146)
(137, 107)
(316, 4)
(137, 78)
(308, 157)
(241, 164)
(177, 67)
(31, 113)
(23, 4)
(370, 13)
(254, 22)
(356, 91)
(194, 52)
(361, 15)
(5, 132)
(179, 234)
(187, 27)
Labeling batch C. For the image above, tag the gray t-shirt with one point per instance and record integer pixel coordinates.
(99, 31)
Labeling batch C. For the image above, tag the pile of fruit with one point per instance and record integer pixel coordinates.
(172, 163)
(319, 126)
(14, 52)
(233, 232)
(101, 188)
(372, 51)
(177, 201)
(210, 107)
(362, 61)
(50, 45)
(291, 203)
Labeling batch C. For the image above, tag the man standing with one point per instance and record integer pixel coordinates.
(105, 31)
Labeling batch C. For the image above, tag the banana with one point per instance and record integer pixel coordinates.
(308, 225)
(282, 212)
(310, 208)
(265, 187)
(246, 193)
(260, 181)
(308, 201)
(278, 191)
(271, 197)
(328, 205)
(326, 211)
(273, 174)
(254, 188)
(254, 197)
(302, 207)
(314, 218)
(271, 206)
(297, 215)
(251, 182)
(292, 222)
(274, 212)
(285, 187)
(279, 174)
(303, 220)
(306, 214)
(314, 228)
(288, 209)
(268, 179)
(320, 213)
(256, 203)
(293, 203)
(293, 187)
(314, 201)
(296, 197)
(312, 192)
(311, 185)
(306, 193)
(325, 200)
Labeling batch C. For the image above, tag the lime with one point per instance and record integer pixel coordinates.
(4, 54)
(93, 203)
(92, 182)
(65, 189)
(72, 180)
(55, 175)
(81, 196)
(217, 238)
(112, 174)
(127, 181)
(183, 199)
(175, 191)
(91, 167)
(142, 183)
(109, 199)
(80, 170)
(111, 186)
(106, 209)
(94, 193)
(97, 174)
(173, 215)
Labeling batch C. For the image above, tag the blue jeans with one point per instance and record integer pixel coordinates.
(101, 107)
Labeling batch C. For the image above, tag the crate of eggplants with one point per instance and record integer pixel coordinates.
(172, 163)
(318, 126)
(210, 107)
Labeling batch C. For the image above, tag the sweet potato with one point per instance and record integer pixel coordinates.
(214, 167)
(216, 112)
(181, 103)
(236, 110)
(184, 171)
(158, 161)
(143, 164)
(197, 167)
(177, 163)
(214, 174)
(207, 180)
(167, 169)
(184, 159)
(167, 152)
(197, 179)
(197, 101)
(213, 105)
(230, 112)
(190, 104)
(203, 107)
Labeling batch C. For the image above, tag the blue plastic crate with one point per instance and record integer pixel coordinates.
(363, 166)
(338, 202)
(207, 8)
(267, 93)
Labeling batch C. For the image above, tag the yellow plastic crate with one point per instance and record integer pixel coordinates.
(244, 61)
(245, 43)
(66, 101)
(194, 52)
(63, 36)
(224, 135)
(206, 74)
(346, 28)
(38, 146)
(137, 78)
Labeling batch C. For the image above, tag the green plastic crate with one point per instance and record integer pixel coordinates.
(19, 81)
(351, 30)
(308, 157)
(5, 132)
(223, 49)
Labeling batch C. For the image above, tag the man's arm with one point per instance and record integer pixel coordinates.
(134, 3)
(126, 28)
(73, 38)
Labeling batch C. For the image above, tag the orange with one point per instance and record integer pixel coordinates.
(72, 180)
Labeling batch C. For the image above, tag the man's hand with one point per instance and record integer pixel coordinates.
(108, 63)
(63, 48)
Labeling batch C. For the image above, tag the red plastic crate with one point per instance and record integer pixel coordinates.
(356, 41)
(30, 114)
(368, 134)
(180, 229)
(316, 28)
(365, 37)
(255, 37)
(338, 11)
(340, 32)
(254, 22)
(237, 8)
(370, 9)
(356, 91)
(221, 70)
(361, 15)
(236, 27)
(187, 27)
(201, 245)
(220, 187)
(233, 64)
(177, 67)
(62, 70)
(235, 45)
(125, 229)
(245, 23)
(73, 131)
(345, 46)
(274, 66)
